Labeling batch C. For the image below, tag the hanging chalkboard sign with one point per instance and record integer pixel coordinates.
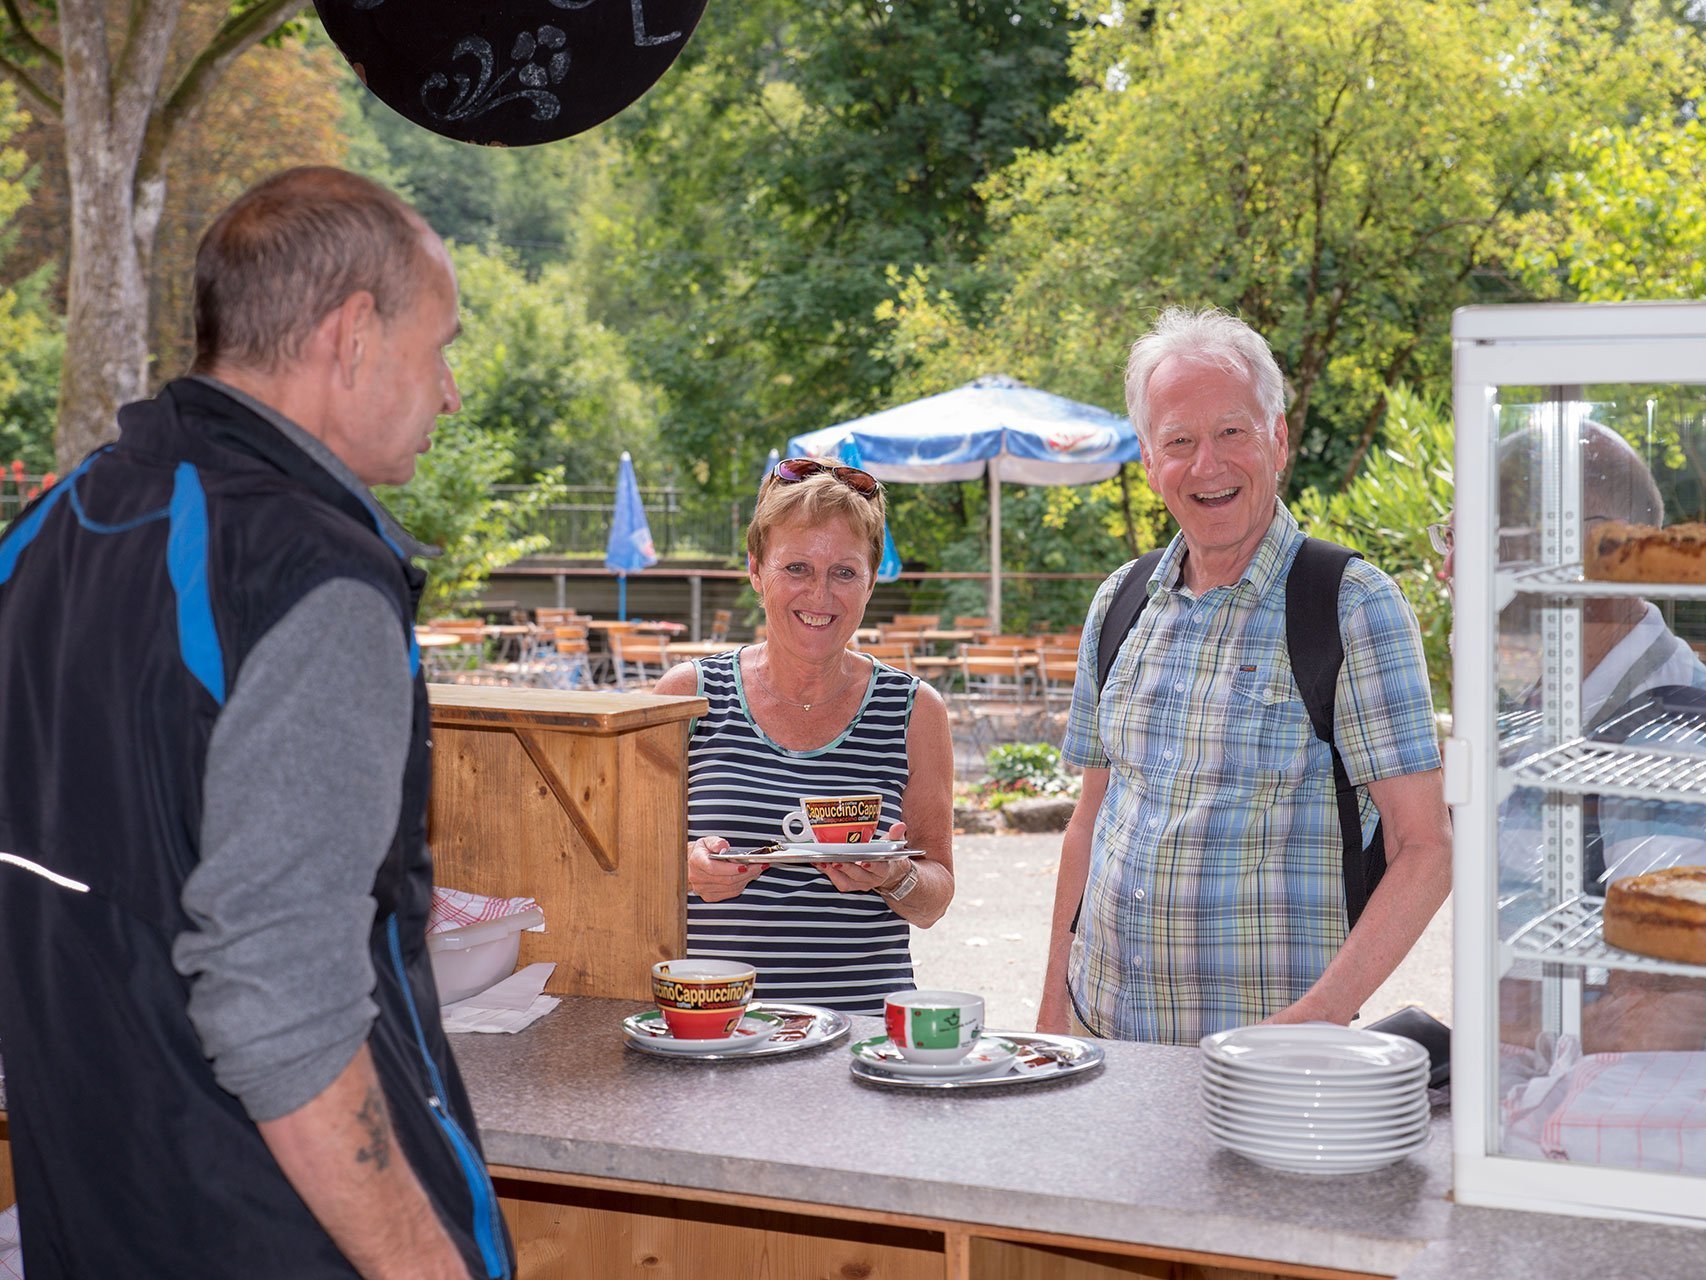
(509, 72)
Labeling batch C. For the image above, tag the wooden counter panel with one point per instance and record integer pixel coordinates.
(559, 1220)
(662, 1238)
(590, 826)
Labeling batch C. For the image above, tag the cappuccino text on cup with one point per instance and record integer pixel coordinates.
(702, 999)
(934, 1027)
(834, 819)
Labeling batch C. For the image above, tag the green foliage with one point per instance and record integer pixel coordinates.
(1337, 171)
(536, 371)
(794, 154)
(32, 345)
(1026, 768)
(451, 504)
(1404, 485)
(1627, 221)
(32, 336)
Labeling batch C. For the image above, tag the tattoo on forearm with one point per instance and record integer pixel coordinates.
(377, 1150)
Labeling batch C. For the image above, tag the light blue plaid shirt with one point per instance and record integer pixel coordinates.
(1215, 894)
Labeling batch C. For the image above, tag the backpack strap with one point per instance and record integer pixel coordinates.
(1317, 653)
(1123, 612)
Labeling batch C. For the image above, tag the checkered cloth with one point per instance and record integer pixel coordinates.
(11, 1253)
(1627, 1110)
(453, 908)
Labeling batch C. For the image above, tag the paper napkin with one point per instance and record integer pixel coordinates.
(509, 1006)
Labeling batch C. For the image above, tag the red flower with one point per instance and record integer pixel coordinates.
(49, 480)
(17, 468)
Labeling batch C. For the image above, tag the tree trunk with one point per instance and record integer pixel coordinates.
(106, 315)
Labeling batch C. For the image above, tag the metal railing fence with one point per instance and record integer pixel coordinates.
(682, 523)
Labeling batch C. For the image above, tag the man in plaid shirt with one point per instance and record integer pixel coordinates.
(1206, 846)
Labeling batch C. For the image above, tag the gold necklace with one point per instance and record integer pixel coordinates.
(803, 706)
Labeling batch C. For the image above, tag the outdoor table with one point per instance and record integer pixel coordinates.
(509, 636)
(436, 639)
(947, 635)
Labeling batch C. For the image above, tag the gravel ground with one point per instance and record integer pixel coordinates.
(994, 937)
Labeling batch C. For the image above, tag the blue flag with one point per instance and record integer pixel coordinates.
(888, 568)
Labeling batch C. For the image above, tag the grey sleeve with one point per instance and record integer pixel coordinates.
(302, 791)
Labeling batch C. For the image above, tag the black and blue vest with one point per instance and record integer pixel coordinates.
(130, 594)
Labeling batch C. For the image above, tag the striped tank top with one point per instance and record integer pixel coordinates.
(808, 941)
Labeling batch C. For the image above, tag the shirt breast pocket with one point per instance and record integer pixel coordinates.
(1267, 728)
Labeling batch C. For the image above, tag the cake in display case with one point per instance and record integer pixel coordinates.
(1577, 766)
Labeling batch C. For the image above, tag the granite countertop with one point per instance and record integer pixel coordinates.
(1117, 1154)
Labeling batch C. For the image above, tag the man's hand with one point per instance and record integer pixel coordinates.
(339, 1151)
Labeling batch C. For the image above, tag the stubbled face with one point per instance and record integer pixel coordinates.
(815, 581)
(403, 381)
(1213, 456)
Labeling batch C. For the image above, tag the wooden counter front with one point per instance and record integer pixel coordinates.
(578, 800)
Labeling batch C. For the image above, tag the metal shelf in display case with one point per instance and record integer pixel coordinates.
(1668, 770)
(1572, 934)
(1567, 582)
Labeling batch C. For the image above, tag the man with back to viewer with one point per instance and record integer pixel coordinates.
(222, 1049)
(1205, 846)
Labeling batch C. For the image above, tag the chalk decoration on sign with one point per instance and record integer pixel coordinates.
(511, 73)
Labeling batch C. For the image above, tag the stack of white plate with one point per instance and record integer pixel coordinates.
(1315, 1098)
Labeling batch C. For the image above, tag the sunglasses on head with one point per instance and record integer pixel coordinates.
(794, 470)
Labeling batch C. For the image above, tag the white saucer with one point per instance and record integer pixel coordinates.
(885, 851)
(988, 1055)
(650, 1030)
(853, 850)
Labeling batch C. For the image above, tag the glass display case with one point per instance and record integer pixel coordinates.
(1578, 757)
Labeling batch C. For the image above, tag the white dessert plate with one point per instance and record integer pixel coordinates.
(1320, 1164)
(1324, 1151)
(1333, 1096)
(989, 1054)
(650, 1031)
(1367, 1138)
(1313, 1051)
(1326, 1121)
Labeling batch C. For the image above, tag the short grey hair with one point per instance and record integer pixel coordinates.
(288, 252)
(1210, 336)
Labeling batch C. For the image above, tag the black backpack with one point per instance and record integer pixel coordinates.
(1317, 652)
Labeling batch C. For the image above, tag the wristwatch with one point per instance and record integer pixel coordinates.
(907, 884)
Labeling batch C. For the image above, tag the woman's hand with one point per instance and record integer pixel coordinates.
(865, 877)
(714, 880)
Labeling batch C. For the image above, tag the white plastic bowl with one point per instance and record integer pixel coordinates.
(466, 961)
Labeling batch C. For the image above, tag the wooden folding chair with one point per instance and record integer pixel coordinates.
(916, 621)
(997, 697)
(638, 661)
(1057, 672)
(721, 621)
(896, 655)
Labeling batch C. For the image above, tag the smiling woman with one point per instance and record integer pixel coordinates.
(803, 715)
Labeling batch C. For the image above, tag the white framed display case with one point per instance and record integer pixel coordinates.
(1573, 761)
